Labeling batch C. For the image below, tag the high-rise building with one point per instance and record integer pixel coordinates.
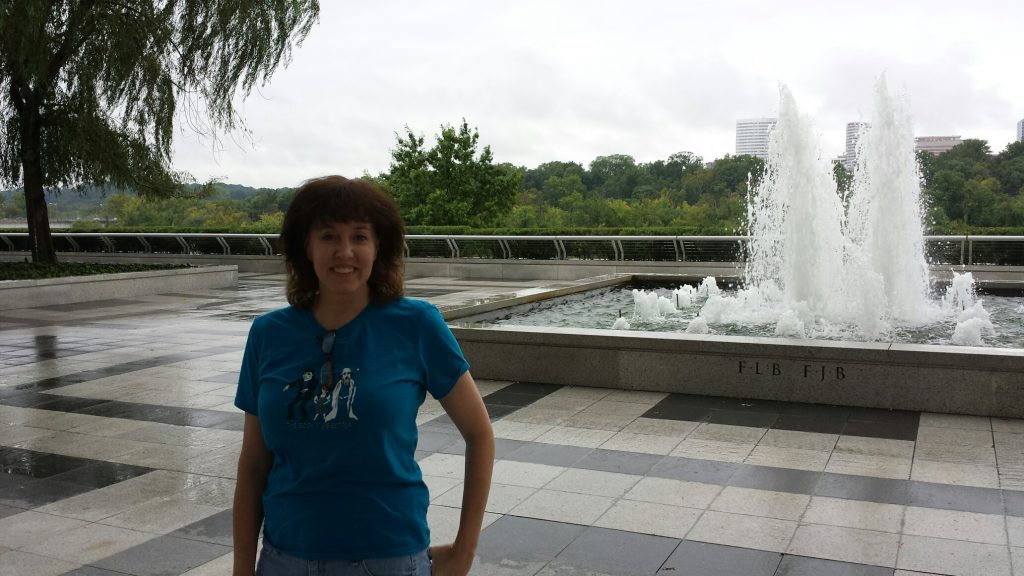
(935, 145)
(853, 132)
(752, 136)
(1020, 131)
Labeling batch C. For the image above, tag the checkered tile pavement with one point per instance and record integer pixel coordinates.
(118, 445)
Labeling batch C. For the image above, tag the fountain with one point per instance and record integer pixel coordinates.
(837, 278)
(821, 264)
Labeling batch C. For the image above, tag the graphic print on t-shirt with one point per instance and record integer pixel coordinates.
(303, 392)
(330, 399)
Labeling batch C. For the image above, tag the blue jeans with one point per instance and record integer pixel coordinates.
(273, 563)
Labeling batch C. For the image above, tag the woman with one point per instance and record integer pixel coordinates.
(330, 387)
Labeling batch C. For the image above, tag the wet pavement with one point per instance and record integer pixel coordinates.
(118, 446)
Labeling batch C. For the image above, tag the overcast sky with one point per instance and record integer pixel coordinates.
(573, 80)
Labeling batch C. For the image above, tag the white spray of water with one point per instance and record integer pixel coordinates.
(684, 296)
(815, 268)
(884, 216)
(960, 292)
(697, 326)
(793, 220)
(650, 305)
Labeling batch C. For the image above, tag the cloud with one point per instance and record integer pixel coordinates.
(573, 80)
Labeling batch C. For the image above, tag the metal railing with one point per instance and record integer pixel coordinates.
(940, 250)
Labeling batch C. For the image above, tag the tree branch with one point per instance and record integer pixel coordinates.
(72, 41)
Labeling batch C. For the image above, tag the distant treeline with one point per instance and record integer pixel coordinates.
(454, 188)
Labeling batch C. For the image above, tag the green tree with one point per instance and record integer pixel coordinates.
(971, 157)
(89, 89)
(980, 202)
(449, 184)
(843, 178)
(534, 178)
(947, 191)
(1009, 168)
(557, 187)
(613, 176)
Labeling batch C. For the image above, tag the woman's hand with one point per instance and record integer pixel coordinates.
(447, 561)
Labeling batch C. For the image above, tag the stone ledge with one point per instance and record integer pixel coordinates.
(50, 291)
(981, 381)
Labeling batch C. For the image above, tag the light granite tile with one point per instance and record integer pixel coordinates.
(649, 518)
(765, 503)
(674, 492)
(854, 514)
(743, 531)
(845, 544)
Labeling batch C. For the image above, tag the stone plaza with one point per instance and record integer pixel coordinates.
(119, 444)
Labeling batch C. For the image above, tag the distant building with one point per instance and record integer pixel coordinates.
(752, 136)
(935, 145)
(853, 133)
(1020, 131)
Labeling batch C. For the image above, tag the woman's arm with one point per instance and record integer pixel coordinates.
(253, 466)
(466, 409)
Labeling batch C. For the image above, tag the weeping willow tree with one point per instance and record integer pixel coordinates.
(90, 90)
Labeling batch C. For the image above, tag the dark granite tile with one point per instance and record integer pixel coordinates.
(550, 454)
(99, 474)
(442, 424)
(441, 421)
(819, 410)
(906, 417)
(215, 529)
(237, 423)
(525, 540)
(694, 470)
(750, 405)
(777, 479)
(823, 424)
(111, 409)
(12, 392)
(950, 497)
(882, 490)
(696, 400)
(803, 566)
(38, 464)
(1013, 501)
(504, 446)
(26, 399)
(900, 430)
(511, 398)
(615, 552)
(498, 411)
(738, 418)
(702, 559)
(67, 403)
(433, 441)
(27, 492)
(536, 389)
(615, 461)
(678, 412)
(6, 510)
(163, 556)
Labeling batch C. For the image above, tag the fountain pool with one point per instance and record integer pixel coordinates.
(840, 281)
(652, 308)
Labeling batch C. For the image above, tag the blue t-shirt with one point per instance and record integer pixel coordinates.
(344, 484)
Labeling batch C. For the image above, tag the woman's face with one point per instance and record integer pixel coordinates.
(342, 254)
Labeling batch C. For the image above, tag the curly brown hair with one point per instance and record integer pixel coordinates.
(332, 199)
